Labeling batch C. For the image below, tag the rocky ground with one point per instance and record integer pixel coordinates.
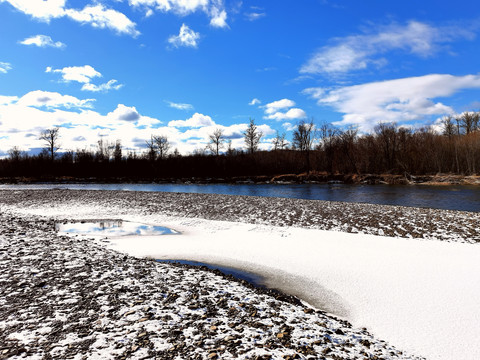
(386, 220)
(70, 297)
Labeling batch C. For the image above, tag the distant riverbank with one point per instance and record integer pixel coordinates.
(304, 178)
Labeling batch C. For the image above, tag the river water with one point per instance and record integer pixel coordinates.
(453, 197)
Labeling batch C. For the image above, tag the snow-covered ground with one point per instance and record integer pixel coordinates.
(420, 295)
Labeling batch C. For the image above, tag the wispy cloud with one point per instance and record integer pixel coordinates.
(400, 100)
(5, 67)
(186, 37)
(96, 15)
(215, 9)
(254, 101)
(180, 106)
(252, 16)
(283, 110)
(42, 41)
(109, 85)
(357, 52)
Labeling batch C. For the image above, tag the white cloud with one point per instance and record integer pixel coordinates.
(124, 113)
(283, 110)
(180, 106)
(4, 67)
(219, 18)
(186, 37)
(215, 9)
(254, 16)
(197, 120)
(42, 41)
(49, 99)
(82, 74)
(6, 100)
(40, 9)
(254, 101)
(358, 52)
(100, 17)
(400, 100)
(291, 114)
(275, 106)
(80, 128)
(96, 15)
(110, 85)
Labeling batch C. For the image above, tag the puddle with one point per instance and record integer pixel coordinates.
(254, 279)
(112, 228)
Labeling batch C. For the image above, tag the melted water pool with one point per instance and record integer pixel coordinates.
(112, 228)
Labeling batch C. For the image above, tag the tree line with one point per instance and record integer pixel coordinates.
(388, 149)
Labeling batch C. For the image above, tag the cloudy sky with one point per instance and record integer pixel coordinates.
(129, 69)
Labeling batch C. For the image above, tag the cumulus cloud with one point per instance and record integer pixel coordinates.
(96, 15)
(124, 113)
(84, 75)
(23, 118)
(275, 106)
(254, 101)
(5, 67)
(186, 37)
(42, 41)
(283, 110)
(49, 99)
(180, 106)
(291, 114)
(215, 9)
(400, 100)
(197, 120)
(358, 52)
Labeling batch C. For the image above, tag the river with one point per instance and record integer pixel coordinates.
(455, 197)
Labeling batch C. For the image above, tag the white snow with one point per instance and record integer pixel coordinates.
(421, 296)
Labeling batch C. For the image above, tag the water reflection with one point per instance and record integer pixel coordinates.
(112, 228)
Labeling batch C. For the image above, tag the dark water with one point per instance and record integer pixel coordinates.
(253, 279)
(455, 197)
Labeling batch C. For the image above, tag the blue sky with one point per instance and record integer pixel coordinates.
(129, 69)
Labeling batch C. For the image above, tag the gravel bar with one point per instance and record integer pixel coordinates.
(72, 298)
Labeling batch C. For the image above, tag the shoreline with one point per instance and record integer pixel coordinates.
(304, 178)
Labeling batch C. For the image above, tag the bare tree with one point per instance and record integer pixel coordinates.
(162, 145)
(216, 141)
(105, 150)
(329, 138)
(50, 136)
(387, 136)
(252, 137)
(15, 154)
(469, 121)
(347, 140)
(279, 141)
(152, 149)
(303, 137)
